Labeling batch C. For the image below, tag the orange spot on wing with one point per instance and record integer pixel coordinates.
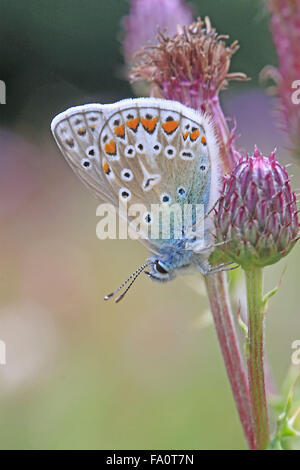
(185, 135)
(203, 140)
(194, 135)
(106, 168)
(170, 126)
(133, 124)
(149, 124)
(82, 131)
(93, 127)
(120, 130)
(110, 147)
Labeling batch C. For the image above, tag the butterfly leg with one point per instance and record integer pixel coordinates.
(222, 267)
(205, 268)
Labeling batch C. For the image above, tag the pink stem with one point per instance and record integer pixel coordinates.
(216, 285)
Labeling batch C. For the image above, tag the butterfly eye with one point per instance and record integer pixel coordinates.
(159, 268)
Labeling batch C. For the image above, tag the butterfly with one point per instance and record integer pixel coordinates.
(148, 151)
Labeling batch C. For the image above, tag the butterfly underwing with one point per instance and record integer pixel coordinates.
(151, 152)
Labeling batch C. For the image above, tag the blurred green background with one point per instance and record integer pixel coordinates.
(81, 373)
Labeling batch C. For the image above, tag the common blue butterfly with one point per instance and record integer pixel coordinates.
(148, 151)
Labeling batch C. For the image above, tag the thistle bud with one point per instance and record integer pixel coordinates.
(256, 218)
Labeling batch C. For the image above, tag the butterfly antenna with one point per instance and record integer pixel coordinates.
(120, 297)
(133, 277)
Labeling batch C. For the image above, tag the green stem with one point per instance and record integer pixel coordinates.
(254, 281)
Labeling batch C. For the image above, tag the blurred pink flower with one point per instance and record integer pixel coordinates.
(147, 16)
(285, 27)
(19, 165)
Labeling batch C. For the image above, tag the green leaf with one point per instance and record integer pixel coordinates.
(272, 292)
(285, 422)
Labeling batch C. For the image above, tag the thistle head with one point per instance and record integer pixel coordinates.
(191, 67)
(256, 218)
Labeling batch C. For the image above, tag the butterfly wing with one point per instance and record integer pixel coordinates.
(76, 132)
(142, 151)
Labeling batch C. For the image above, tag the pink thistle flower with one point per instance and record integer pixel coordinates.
(285, 27)
(192, 67)
(257, 217)
(144, 19)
